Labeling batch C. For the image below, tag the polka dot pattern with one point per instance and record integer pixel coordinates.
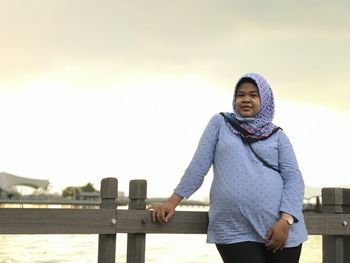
(245, 197)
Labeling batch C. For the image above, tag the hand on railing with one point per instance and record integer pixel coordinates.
(162, 212)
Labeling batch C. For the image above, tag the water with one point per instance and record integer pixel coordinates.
(159, 248)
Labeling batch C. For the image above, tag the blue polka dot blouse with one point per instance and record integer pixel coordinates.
(246, 197)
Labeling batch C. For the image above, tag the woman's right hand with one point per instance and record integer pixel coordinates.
(163, 212)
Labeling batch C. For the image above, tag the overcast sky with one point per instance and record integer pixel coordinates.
(97, 88)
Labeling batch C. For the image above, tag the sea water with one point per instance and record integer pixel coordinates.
(165, 248)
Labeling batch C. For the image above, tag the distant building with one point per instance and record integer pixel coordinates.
(90, 196)
(8, 182)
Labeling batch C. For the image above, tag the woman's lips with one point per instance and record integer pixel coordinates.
(246, 108)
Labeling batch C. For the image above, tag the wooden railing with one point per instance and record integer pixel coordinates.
(333, 224)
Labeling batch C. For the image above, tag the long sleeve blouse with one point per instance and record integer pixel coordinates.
(246, 197)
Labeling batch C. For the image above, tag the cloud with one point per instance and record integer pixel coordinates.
(147, 130)
(300, 46)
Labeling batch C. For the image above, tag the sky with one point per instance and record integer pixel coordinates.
(92, 89)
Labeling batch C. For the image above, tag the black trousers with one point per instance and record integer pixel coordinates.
(254, 252)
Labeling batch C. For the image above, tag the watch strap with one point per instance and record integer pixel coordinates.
(289, 222)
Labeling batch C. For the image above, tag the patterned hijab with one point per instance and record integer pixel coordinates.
(260, 126)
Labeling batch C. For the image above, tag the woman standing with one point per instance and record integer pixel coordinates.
(256, 196)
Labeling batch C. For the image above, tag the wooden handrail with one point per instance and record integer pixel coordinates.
(333, 224)
(100, 221)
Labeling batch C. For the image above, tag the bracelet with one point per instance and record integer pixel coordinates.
(289, 221)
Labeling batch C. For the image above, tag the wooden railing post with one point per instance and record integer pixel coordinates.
(107, 242)
(137, 242)
(336, 249)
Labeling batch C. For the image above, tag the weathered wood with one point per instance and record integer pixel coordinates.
(183, 222)
(336, 248)
(99, 221)
(328, 224)
(333, 248)
(332, 200)
(346, 244)
(189, 222)
(56, 221)
(109, 188)
(107, 242)
(138, 191)
(136, 243)
(331, 203)
(51, 202)
(346, 201)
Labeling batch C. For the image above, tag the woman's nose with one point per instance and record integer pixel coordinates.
(246, 98)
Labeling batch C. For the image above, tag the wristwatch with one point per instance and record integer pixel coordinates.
(290, 221)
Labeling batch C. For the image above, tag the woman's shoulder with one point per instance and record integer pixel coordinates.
(216, 121)
(217, 118)
(282, 137)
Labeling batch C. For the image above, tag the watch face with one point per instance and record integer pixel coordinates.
(290, 221)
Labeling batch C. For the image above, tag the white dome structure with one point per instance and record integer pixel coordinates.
(8, 181)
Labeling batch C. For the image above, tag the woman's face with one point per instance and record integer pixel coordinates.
(247, 101)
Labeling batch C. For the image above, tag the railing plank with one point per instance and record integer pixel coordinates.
(328, 224)
(183, 222)
(98, 221)
(188, 222)
(56, 221)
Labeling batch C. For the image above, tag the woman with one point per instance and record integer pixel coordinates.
(256, 196)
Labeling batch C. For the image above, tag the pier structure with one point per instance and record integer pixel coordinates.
(333, 223)
(9, 181)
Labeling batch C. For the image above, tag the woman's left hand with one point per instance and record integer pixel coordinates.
(277, 236)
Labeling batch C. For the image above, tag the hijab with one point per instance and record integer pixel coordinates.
(260, 126)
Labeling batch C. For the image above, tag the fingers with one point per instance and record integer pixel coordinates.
(168, 216)
(160, 213)
(275, 245)
(153, 209)
(275, 240)
(277, 236)
(155, 212)
(269, 235)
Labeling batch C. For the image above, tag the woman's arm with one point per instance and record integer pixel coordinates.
(292, 197)
(202, 159)
(194, 174)
(293, 190)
